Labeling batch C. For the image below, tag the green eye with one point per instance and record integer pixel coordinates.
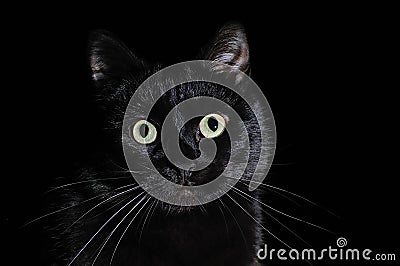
(212, 125)
(144, 132)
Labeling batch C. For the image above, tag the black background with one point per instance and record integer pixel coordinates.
(324, 74)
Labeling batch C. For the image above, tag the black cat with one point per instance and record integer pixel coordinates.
(102, 216)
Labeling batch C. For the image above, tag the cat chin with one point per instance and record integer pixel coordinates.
(176, 209)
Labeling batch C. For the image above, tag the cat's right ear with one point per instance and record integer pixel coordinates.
(110, 59)
(230, 47)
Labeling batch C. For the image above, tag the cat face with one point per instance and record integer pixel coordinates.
(191, 133)
(117, 73)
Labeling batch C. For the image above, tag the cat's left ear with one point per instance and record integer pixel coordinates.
(230, 47)
(110, 59)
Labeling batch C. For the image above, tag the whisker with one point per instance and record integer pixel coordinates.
(154, 171)
(101, 228)
(126, 229)
(283, 225)
(285, 214)
(203, 210)
(272, 188)
(101, 203)
(126, 170)
(236, 221)
(85, 181)
(112, 206)
(117, 226)
(149, 209)
(69, 207)
(223, 215)
(276, 192)
(117, 165)
(303, 198)
(151, 215)
(255, 220)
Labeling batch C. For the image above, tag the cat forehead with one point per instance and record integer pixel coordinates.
(167, 94)
(164, 93)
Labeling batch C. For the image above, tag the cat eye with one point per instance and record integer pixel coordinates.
(144, 132)
(212, 125)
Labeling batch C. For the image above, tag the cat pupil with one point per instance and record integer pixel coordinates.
(212, 124)
(144, 130)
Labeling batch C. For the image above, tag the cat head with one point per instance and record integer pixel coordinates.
(117, 73)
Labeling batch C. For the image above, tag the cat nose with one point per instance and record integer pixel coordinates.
(189, 143)
(189, 148)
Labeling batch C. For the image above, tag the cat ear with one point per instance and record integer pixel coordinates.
(109, 58)
(230, 47)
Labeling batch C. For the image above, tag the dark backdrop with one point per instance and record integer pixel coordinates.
(320, 72)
